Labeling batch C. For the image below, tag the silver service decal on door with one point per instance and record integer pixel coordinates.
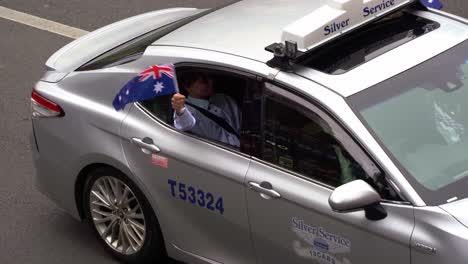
(320, 244)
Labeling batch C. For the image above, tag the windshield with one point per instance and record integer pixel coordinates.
(421, 119)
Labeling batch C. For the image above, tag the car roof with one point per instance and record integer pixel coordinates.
(400, 59)
(244, 28)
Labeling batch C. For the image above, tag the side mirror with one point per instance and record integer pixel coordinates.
(357, 195)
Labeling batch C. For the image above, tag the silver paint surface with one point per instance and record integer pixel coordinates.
(253, 229)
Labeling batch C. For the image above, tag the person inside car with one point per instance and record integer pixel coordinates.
(205, 113)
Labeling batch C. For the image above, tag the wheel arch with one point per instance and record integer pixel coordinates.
(86, 169)
(88, 173)
(80, 184)
(94, 161)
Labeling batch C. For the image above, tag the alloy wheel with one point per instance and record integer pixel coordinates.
(117, 215)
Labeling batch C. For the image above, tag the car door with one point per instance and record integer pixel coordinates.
(300, 162)
(197, 186)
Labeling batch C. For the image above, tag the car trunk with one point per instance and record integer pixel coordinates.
(88, 47)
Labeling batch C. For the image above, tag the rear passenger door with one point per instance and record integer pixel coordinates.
(300, 160)
(197, 185)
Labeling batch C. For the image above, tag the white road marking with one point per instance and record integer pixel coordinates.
(41, 23)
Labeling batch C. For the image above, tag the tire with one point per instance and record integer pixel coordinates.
(127, 228)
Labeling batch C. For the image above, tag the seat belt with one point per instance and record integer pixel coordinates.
(218, 120)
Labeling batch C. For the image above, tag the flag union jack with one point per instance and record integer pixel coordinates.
(157, 80)
(155, 72)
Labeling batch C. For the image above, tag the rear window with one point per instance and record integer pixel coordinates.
(369, 42)
(134, 49)
(128, 51)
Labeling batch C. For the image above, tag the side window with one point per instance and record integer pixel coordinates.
(160, 107)
(299, 140)
(213, 104)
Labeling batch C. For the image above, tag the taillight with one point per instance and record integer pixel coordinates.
(43, 107)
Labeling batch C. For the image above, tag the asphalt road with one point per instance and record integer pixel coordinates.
(32, 229)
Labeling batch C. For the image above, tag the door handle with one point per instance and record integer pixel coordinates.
(265, 189)
(147, 147)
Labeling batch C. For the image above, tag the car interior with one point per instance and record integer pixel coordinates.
(231, 84)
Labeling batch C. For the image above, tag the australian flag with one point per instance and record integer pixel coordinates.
(155, 81)
(436, 4)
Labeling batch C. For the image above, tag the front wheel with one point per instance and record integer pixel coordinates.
(121, 217)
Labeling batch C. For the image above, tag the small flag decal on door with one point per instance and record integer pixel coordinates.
(160, 161)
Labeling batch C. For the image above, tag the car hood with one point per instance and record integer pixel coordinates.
(88, 47)
(459, 210)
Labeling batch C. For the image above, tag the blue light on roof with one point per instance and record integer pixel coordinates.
(436, 4)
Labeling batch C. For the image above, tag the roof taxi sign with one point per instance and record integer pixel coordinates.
(336, 17)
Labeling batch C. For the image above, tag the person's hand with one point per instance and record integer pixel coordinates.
(178, 103)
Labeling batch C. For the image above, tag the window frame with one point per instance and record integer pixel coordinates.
(203, 66)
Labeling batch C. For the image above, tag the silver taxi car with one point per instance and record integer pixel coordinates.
(353, 135)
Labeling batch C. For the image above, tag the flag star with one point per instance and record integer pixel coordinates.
(158, 87)
(127, 92)
(120, 98)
